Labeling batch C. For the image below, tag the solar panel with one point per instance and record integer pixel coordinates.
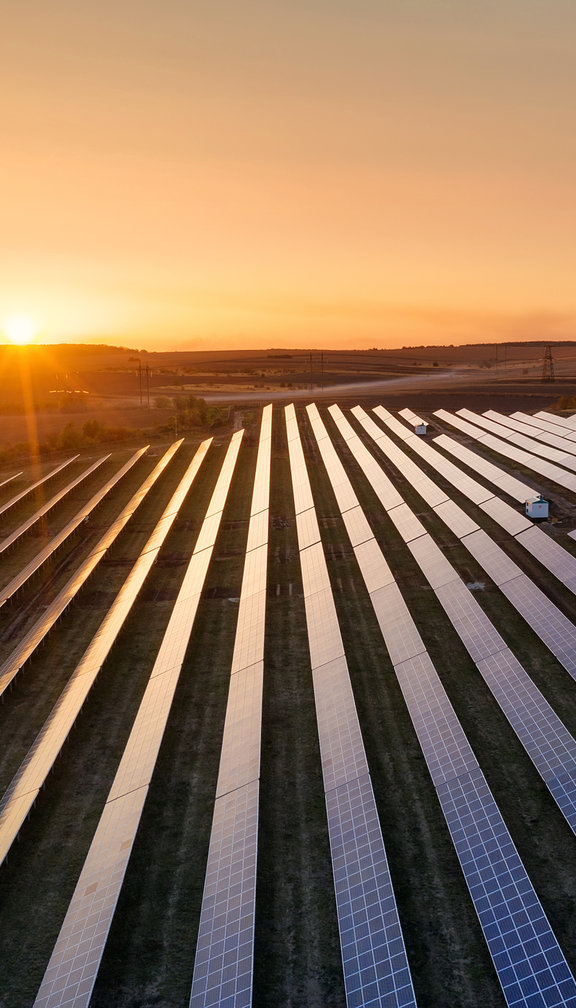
(546, 619)
(314, 573)
(446, 749)
(30, 489)
(506, 516)
(324, 637)
(551, 554)
(240, 757)
(455, 518)
(538, 465)
(536, 433)
(550, 426)
(357, 527)
(71, 972)
(464, 483)
(427, 489)
(11, 666)
(110, 849)
(534, 444)
(249, 642)
(546, 740)
(406, 522)
(373, 957)
(258, 530)
(396, 624)
(410, 417)
(254, 576)
(29, 522)
(548, 743)
(487, 855)
(341, 485)
(373, 954)
(431, 559)
(225, 948)
(457, 421)
(341, 746)
(491, 557)
(375, 570)
(307, 528)
(530, 965)
(20, 579)
(510, 484)
(561, 421)
(476, 631)
(557, 632)
(382, 485)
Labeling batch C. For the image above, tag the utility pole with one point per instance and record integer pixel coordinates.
(148, 384)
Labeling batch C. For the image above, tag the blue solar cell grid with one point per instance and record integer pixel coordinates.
(374, 958)
(531, 968)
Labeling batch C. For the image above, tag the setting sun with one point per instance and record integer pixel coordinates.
(20, 329)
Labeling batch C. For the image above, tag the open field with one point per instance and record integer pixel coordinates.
(149, 956)
(136, 389)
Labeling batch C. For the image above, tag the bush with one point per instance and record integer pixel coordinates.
(162, 402)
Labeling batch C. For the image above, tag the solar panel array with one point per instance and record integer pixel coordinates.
(550, 426)
(374, 958)
(530, 966)
(513, 920)
(223, 967)
(26, 525)
(74, 963)
(30, 777)
(36, 562)
(28, 644)
(28, 490)
(510, 451)
(547, 741)
(565, 422)
(550, 554)
(545, 618)
(556, 458)
(511, 485)
(549, 439)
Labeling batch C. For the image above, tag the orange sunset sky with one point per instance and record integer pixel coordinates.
(251, 173)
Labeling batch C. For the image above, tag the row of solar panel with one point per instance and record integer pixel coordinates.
(545, 618)
(33, 486)
(31, 776)
(550, 553)
(374, 958)
(229, 900)
(547, 741)
(42, 627)
(513, 921)
(357, 524)
(503, 446)
(74, 963)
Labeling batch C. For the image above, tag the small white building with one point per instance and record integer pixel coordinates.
(537, 507)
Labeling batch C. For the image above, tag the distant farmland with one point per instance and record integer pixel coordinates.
(308, 592)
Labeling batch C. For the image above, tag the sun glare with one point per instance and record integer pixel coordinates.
(19, 329)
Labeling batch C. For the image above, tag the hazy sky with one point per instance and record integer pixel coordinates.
(375, 172)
